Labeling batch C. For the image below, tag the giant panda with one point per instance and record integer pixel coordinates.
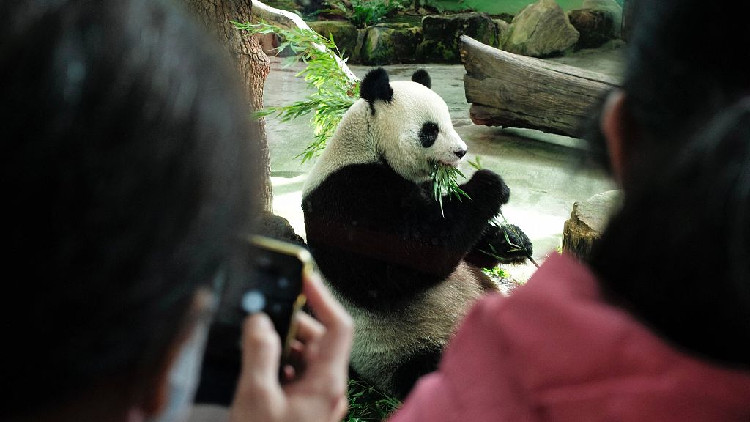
(405, 269)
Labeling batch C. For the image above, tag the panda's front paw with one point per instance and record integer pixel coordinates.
(487, 186)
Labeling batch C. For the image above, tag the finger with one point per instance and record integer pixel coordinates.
(308, 329)
(299, 355)
(332, 355)
(340, 408)
(331, 314)
(289, 373)
(261, 354)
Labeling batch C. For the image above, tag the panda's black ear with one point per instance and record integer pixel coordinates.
(422, 77)
(376, 86)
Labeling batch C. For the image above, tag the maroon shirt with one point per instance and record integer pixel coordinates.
(556, 351)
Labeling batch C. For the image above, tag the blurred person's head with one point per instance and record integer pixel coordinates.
(127, 173)
(684, 62)
(677, 137)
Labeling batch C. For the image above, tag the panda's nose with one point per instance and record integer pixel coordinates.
(460, 153)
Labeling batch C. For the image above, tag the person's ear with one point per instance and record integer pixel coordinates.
(620, 133)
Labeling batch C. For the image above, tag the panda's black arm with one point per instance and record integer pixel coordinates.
(432, 241)
(380, 238)
(463, 221)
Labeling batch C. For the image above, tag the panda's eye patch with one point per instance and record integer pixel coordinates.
(428, 134)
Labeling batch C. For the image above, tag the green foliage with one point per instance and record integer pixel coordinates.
(496, 273)
(363, 13)
(433, 4)
(445, 183)
(333, 93)
(476, 164)
(368, 404)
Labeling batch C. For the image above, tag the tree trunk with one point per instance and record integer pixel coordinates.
(507, 89)
(251, 61)
(588, 221)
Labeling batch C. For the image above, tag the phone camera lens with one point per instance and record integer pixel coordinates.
(253, 302)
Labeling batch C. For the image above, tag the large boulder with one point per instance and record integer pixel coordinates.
(441, 35)
(588, 221)
(502, 29)
(610, 8)
(344, 34)
(541, 29)
(388, 43)
(595, 26)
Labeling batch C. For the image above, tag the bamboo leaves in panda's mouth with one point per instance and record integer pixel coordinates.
(445, 183)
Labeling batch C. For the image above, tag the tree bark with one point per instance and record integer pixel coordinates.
(252, 63)
(588, 221)
(508, 89)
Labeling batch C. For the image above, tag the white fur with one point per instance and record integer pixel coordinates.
(392, 133)
(380, 341)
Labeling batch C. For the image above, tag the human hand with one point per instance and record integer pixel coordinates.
(317, 393)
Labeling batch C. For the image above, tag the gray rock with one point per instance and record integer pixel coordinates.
(389, 43)
(344, 34)
(441, 34)
(541, 29)
(594, 26)
(610, 7)
(502, 29)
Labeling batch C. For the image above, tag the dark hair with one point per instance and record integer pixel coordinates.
(126, 173)
(677, 253)
(683, 64)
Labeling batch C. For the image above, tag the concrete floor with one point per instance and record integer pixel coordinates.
(541, 169)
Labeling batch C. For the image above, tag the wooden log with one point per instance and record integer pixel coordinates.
(508, 89)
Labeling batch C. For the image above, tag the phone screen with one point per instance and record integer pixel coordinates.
(277, 272)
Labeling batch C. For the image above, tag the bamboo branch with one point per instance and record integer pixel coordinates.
(289, 20)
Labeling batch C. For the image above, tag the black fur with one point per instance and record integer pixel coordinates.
(422, 77)
(428, 134)
(415, 367)
(376, 86)
(390, 232)
(500, 244)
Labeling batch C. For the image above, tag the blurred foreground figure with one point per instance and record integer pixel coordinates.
(128, 166)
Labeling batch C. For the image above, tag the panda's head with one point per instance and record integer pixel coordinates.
(410, 124)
